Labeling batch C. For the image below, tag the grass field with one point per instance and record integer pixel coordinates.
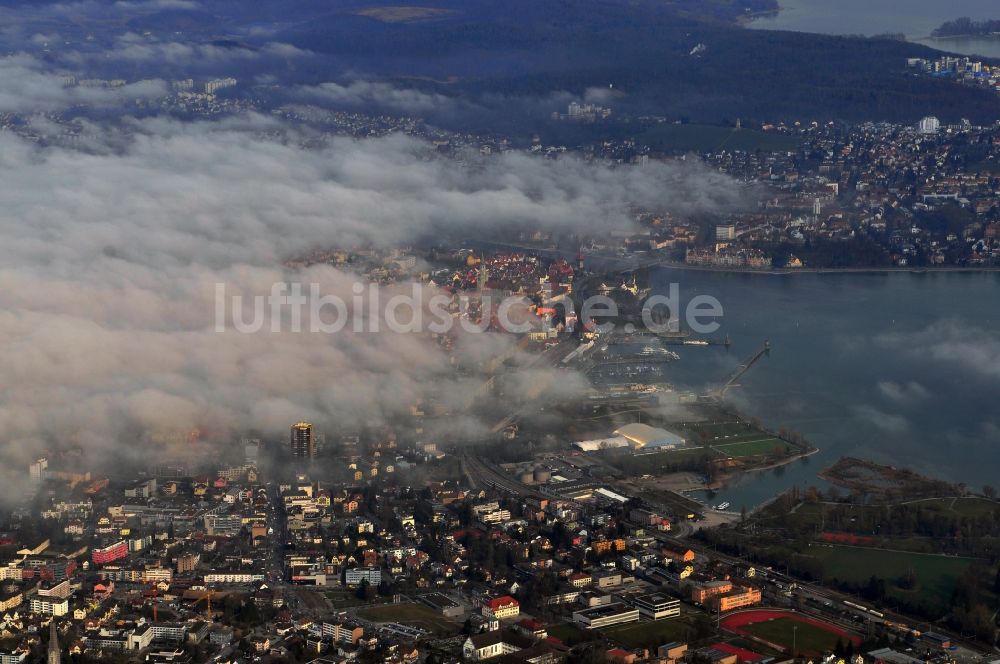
(708, 441)
(758, 447)
(967, 506)
(700, 138)
(650, 634)
(809, 639)
(935, 574)
(717, 430)
(811, 514)
(415, 615)
(568, 633)
(343, 599)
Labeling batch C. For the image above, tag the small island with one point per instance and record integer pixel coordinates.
(967, 27)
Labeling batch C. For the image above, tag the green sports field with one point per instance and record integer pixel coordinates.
(719, 430)
(808, 639)
(650, 634)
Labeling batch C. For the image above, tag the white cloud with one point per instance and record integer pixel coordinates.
(903, 393)
(887, 422)
(156, 5)
(109, 257)
(362, 93)
(952, 342)
(26, 86)
(138, 48)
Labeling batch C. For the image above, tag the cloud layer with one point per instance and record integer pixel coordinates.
(109, 256)
(27, 86)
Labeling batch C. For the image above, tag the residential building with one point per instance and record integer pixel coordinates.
(736, 600)
(502, 608)
(17, 656)
(354, 576)
(110, 553)
(702, 592)
(929, 125)
(725, 233)
(50, 606)
(141, 638)
(168, 633)
(488, 645)
(11, 601)
(107, 639)
(301, 443)
(233, 577)
(491, 513)
(342, 634)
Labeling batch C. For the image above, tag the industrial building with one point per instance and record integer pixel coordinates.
(641, 436)
(635, 436)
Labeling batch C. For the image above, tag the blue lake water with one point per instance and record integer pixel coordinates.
(901, 368)
(914, 18)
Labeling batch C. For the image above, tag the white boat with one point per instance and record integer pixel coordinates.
(648, 388)
(722, 506)
(653, 351)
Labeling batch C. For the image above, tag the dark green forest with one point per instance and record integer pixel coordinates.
(515, 58)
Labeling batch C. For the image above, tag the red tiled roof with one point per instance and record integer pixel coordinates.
(499, 602)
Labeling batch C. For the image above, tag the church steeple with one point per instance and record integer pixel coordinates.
(55, 653)
(483, 276)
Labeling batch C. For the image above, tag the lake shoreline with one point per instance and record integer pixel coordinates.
(879, 17)
(827, 270)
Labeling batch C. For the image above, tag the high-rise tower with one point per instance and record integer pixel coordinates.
(302, 444)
